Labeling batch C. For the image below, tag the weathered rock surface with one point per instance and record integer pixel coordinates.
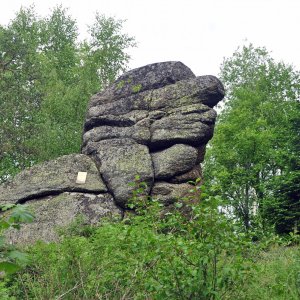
(53, 177)
(149, 77)
(51, 192)
(120, 160)
(154, 122)
(173, 161)
(59, 211)
(168, 193)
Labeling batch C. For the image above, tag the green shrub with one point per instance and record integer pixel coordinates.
(12, 216)
(187, 251)
(5, 291)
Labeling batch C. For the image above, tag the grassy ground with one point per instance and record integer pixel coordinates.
(276, 275)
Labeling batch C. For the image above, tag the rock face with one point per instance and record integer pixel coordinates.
(54, 212)
(53, 177)
(119, 161)
(154, 122)
(51, 191)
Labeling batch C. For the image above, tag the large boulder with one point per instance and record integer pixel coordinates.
(154, 122)
(52, 194)
(119, 161)
(53, 177)
(58, 211)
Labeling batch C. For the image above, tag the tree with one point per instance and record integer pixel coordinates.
(284, 207)
(91, 66)
(255, 137)
(106, 55)
(20, 94)
(47, 77)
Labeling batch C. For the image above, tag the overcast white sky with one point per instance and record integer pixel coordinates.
(200, 33)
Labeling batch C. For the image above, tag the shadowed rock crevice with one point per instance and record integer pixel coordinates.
(47, 193)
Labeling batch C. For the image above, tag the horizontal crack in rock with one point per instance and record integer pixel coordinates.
(47, 193)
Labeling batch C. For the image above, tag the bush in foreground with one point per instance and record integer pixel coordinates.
(188, 252)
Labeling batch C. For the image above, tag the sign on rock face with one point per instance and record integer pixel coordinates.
(154, 121)
(81, 177)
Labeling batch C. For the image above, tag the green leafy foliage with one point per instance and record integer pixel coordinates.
(47, 77)
(187, 251)
(20, 92)
(276, 275)
(11, 259)
(255, 149)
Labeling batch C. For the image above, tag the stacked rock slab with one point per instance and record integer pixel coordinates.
(155, 122)
(51, 192)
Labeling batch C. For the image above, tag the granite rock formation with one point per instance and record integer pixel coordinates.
(154, 121)
(51, 192)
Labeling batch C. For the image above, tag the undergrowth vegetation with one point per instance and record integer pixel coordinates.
(189, 251)
(11, 260)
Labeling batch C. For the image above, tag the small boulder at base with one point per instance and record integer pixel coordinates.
(173, 161)
(57, 212)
